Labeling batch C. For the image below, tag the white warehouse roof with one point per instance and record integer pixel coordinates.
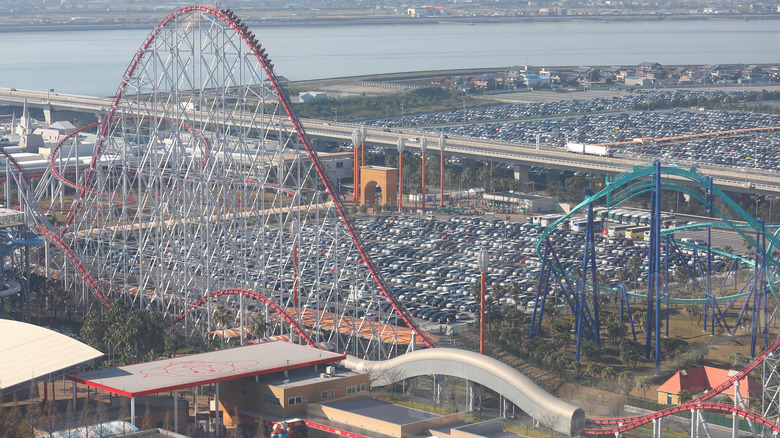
(30, 352)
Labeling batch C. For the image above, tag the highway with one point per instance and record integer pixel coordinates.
(737, 179)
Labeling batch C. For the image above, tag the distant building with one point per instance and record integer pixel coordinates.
(535, 81)
(522, 202)
(633, 81)
(425, 11)
(702, 379)
(649, 66)
(307, 96)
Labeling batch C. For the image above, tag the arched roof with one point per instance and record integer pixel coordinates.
(31, 352)
(486, 371)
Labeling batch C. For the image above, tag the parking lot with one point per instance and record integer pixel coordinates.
(432, 264)
(620, 118)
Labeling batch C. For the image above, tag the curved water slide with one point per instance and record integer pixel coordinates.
(483, 370)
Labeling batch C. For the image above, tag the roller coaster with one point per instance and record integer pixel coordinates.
(196, 196)
(581, 293)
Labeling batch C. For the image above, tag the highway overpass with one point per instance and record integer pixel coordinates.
(731, 178)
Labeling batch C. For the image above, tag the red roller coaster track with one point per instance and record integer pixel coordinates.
(709, 406)
(622, 424)
(230, 19)
(91, 281)
(301, 330)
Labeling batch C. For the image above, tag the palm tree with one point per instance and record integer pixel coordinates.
(222, 316)
(634, 264)
(644, 384)
(514, 290)
(258, 326)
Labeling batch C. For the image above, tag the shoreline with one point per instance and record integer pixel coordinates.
(403, 20)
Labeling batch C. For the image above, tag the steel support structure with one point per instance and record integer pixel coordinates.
(195, 187)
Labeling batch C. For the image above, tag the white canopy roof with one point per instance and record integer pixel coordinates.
(30, 352)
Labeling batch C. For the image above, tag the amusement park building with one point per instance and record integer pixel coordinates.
(702, 379)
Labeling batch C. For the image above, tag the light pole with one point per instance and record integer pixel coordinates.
(401, 146)
(442, 144)
(336, 110)
(464, 112)
(363, 137)
(482, 262)
(402, 114)
(423, 148)
(356, 140)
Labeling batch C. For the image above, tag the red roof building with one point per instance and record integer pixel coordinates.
(702, 379)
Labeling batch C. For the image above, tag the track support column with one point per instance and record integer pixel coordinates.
(472, 395)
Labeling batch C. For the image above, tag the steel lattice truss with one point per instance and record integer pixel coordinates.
(203, 190)
(771, 394)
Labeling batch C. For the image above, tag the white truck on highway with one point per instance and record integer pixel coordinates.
(589, 149)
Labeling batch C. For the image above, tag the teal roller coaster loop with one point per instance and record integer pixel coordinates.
(636, 182)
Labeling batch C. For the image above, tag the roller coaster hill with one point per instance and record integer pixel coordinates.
(196, 199)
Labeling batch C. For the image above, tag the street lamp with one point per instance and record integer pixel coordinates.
(483, 259)
(464, 112)
(363, 137)
(402, 114)
(423, 148)
(401, 146)
(357, 138)
(442, 144)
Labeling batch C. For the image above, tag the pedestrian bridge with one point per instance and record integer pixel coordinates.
(483, 370)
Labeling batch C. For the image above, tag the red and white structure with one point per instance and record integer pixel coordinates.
(204, 190)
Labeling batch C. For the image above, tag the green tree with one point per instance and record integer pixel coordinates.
(640, 319)
(634, 265)
(694, 311)
(592, 351)
(173, 341)
(644, 384)
(684, 396)
(738, 361)
(138, 335)
(608, 374)
(616, 331)
(681, 277)
(630, 353)
(561, 340)
(626, 381)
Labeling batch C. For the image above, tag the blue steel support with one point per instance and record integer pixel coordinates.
(666, 281)
(545, 268)
(666, 298)
(755, 294)
(677, 254)
(709, 275)
(589, 255)
(590, 242)
(655, 242)
(624, 302)
(650, 277)
(763, 278)
(544, 300)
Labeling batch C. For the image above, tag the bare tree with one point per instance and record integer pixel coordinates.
(387, 376)
(146, 424)
(549, 419)
(33, 415)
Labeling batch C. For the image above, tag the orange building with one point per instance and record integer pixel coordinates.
(701, 379)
